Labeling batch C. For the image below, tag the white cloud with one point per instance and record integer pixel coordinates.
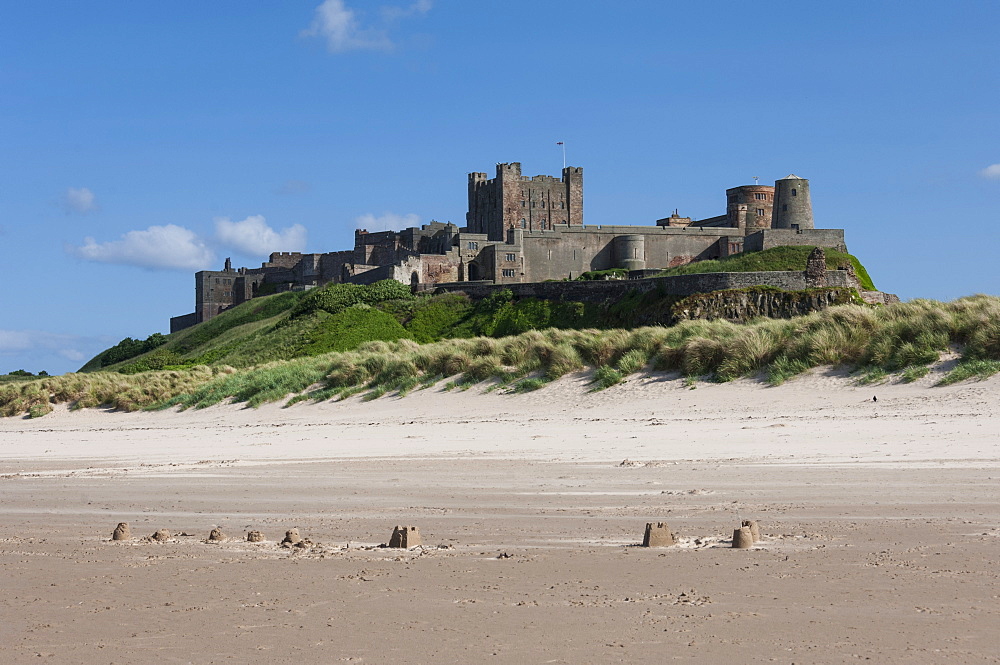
(343, 31)
(992, 172)
(80, 200)
(167, 246)
(339, 26)
(32, 345)
(387, 221)
(253, 236)
(418, 7)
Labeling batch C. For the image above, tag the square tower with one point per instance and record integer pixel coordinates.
(513, 201)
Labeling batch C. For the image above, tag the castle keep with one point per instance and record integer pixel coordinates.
(523, 229)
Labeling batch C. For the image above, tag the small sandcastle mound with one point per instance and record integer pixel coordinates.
(405, 537)
(657, 535)
(161, 535)
(291, 538)
(754, 529)
(216, 536)
(255, 537)
(122, 532)
(742, 538)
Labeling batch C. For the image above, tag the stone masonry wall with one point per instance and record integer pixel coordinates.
(769, 238)
(679, 285)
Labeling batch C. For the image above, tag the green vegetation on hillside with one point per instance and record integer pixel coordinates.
(340, 317)
(22, 375)
(775, 259)
(902, 338)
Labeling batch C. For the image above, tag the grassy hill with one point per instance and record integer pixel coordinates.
(341, 317)
(776, 258)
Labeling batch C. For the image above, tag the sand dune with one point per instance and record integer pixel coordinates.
(880, 523)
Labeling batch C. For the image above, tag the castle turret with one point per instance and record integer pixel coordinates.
(749, 207)
(630, 252)
(792, 205)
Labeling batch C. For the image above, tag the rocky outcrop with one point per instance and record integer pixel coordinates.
(742, 305)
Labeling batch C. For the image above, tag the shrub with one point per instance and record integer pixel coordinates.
(614, 273)
(350, 328)
(528, 385)
(334, 298)
(437, 317)
(606, 376)
(911, 374)
(130, 348)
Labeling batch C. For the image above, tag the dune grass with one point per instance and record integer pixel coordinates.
(904, 338)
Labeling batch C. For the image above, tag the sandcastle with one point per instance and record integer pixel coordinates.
(754, 529)
(657, 535)
(292, 537)
(742, 538)
(405, 537)
(255, 537)
(122, 532)
(161, 535)
(216, 536)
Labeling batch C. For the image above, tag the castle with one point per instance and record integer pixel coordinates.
(523, 229)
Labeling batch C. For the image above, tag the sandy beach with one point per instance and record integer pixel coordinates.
(880, 523)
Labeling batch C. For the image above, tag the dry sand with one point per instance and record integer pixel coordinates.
(880, 524)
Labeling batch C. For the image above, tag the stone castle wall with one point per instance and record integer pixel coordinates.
(678, 285)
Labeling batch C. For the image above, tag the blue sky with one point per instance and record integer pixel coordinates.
(144, 141)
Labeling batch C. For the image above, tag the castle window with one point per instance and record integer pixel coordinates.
(522, 222)
(760, 212)
(532, 204)
(794, 193)
(760, 196)
(784, 208)
(512, 257)
(473, 245)
(508, 272)
(562, 204)
(522, 204)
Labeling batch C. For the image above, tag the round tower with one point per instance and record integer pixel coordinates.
(749, 207)
(792, 205)
(630, 252)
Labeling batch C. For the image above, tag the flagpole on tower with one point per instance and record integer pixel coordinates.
(563, 145)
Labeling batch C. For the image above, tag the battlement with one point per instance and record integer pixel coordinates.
(515, 201)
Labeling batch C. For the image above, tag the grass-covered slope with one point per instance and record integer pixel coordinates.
(903, 338)
(776, 258)
(340, 317)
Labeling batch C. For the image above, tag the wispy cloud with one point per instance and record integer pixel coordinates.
(387, 221)
(79, 199)
(34, 347)
(992, 172)
(253, 236)
(163, 247)
(343, 30)
(396, 13)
